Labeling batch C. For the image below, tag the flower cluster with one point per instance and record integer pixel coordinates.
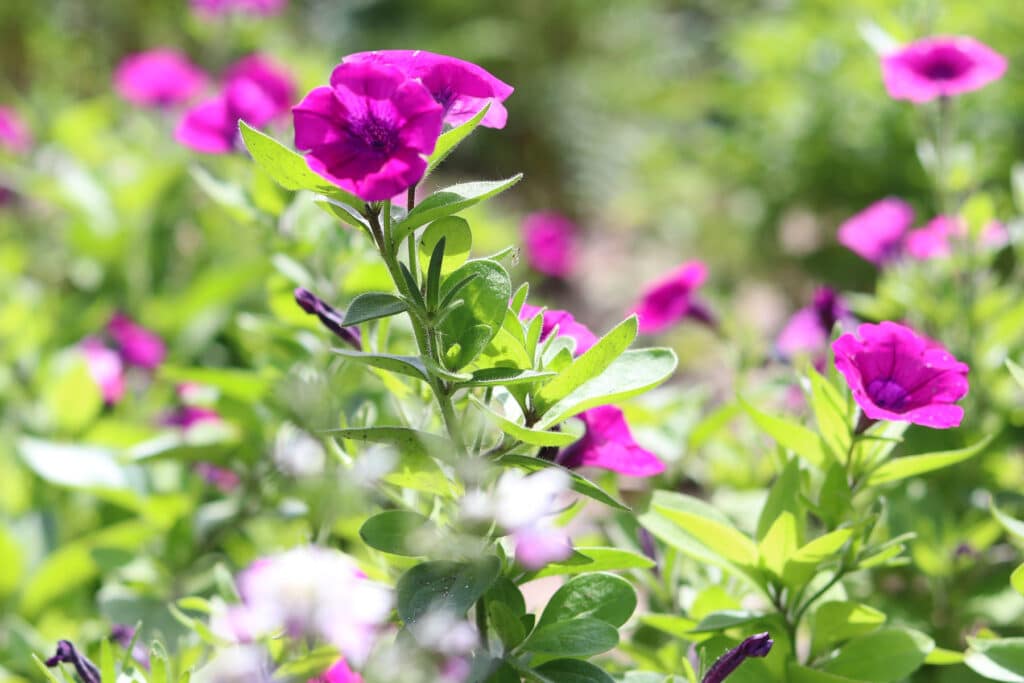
(370, 131)
(158, 78)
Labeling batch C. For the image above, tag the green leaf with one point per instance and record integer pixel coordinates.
(1017, 579)
(458, 241)
(883, 656)
(70, 393)
(801, 564)
(784, 496)
(672, 624)
(588, 365)
(344, 212)
(503, 377)
(943, 657)
(404, 439)
(579, 484)
(632, 373)
(801, 674)
(720, 538)
(998, 659)
(835, 622)
(410, 366)
(433, 294)
(779, 543)
(449, 140)
(12, 569)
(830, 413)
(393, 531)
(606, 597)
(244, 385)
(371, 306)
(450, 201)
(288, 168)
(573, 671)
(533, 437)
(229, 196)
(475, 323)
(586, 560)
(453, 586)
(73, 465)
(580, 637)
(913, 465)
(506, 624)
(420, 472)
(725, 619)
(790, 435)
(1017, 372)
(1014, 527)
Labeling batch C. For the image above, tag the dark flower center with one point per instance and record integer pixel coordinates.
(887, 394)
(945, 65)
(380, 136)
(826, 308)
(445, 96)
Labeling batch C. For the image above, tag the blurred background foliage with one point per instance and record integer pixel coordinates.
(740, 132)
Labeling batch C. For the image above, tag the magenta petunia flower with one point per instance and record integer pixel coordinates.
(14, 134)
(105, 368)
(460, 87)
(370, 131)
(608, 444)
(671, 299)
(338, 673)
(256, 91)
(566, 324)
(809, 329)
(222, 478)
(941, 66)
(876, 233)
(214, 8)
(897, 374)
(137, 345)
(189, 416)
(158, 78)
(933, 240)
(550, 242)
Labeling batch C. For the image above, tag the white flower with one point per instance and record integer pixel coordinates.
(239, 664)
(523, 500)
(298, 454)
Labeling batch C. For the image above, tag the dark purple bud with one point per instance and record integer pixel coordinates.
(755, 646)
(863, 423)
(124, 635)
(330, 317)
(649, 548)
(702, 314)
(828, 308)
(965, 549)
(67, 654)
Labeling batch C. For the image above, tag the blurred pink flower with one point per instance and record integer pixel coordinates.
(540, 544)
(550, 242)
(933, 240)
(897, 374)
(105, 368)
(158, 78)
(941, 66)
(137, 345)
(460, 87)
(671, 299)
(215, 8)
(189, 416)
(370, 131)
(222, 478)
(14, 134)
(339, 673)
(566, 324)
(608, 444)
(809, 329)
(876, 233)
(256, 91)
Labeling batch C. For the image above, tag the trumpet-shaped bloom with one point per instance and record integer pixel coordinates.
(671, 299)
(941, 66)
(460, 87)
(105, 368)
(809, 329)
(256, 91)
(14, 134)
(608, 444)
(549, 240)
(309, 592)
(158, 78)
(329, 317)
(566, 324)
(933, 240)
(897, 374)
(137, 345)
(370, 131)
(876, 233)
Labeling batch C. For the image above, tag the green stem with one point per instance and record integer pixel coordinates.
(481, 621)
(423, 333)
